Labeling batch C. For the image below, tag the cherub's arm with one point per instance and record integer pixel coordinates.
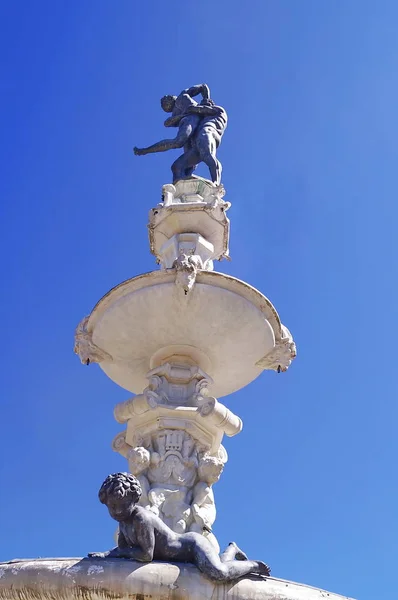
(118, 552)
(145, 536)
(143, 551)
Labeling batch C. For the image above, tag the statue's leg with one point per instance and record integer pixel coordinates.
(232, 552)
(190, 170)
(178, 168)
(185, 130)
(218, 171)
(184, 165)
(208, 561)
(207, 148)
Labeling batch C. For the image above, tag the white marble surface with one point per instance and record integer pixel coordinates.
(93, 579)
(172, 443)
(194, 206)
(222, 319)
(188, 244)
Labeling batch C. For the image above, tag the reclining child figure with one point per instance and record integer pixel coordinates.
(144, 537)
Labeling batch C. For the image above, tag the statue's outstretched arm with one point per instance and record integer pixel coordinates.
(204, 111)
(173, 121)
(195, 90)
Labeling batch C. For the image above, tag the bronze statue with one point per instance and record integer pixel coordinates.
(200, 129)
(144, 537)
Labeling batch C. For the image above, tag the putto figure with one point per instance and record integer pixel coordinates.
(200, 129)
(144, 537)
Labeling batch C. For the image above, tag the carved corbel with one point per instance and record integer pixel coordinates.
(187, 267)
(280, 357)
(85, 347)
(120, 445)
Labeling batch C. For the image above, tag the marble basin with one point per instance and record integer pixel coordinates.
(224, 326)
(110, 579)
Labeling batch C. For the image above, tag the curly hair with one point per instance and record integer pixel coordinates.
(167, 103)
(139, 459)
(120, 485)
(210, 468)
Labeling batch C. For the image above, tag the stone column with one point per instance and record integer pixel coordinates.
(172, 443)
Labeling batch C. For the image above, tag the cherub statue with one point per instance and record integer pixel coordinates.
(172, 507)
(139, 459)
(144, 537)
(203, 507)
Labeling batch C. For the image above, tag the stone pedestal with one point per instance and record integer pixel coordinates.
(192, 222)
(195, 335)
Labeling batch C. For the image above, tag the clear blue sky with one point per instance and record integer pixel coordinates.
(310, 165)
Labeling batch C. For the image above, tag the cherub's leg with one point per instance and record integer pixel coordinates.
(232, 552)
(208, 561)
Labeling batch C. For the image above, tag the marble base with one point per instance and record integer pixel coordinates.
(93, 579)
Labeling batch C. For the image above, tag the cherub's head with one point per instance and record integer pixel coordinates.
(210, 468)
(120, 492)
(139, 459)
(167, 103)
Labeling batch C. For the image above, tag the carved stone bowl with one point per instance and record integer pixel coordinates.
(223, 325)
(93, 579)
